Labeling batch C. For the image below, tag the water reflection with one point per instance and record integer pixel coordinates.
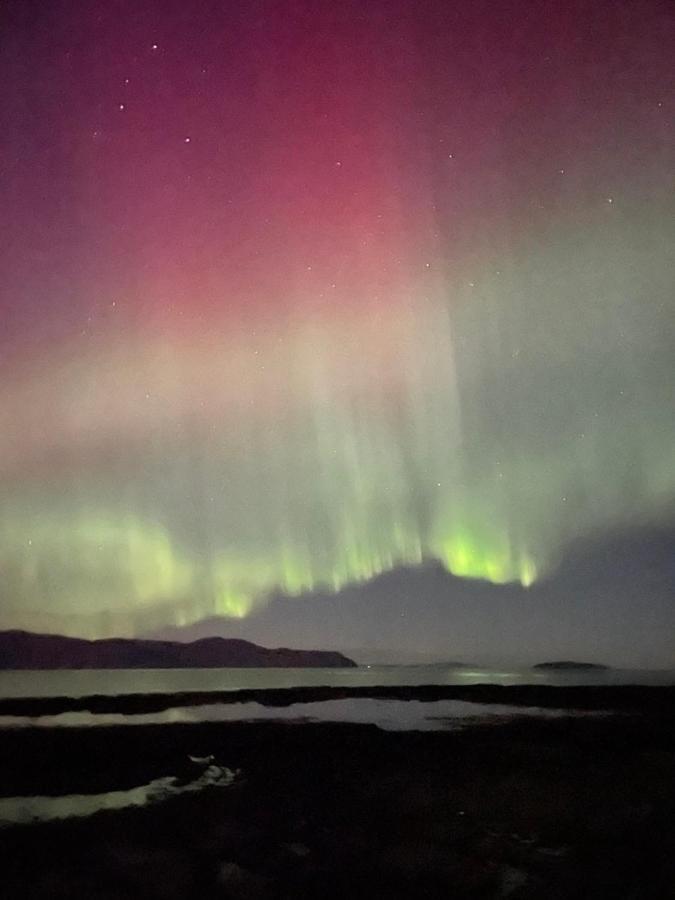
(82, 683)
(24, 810)
(390, 715)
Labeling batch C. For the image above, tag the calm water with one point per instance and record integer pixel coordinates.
(168, 681)
(24, 810)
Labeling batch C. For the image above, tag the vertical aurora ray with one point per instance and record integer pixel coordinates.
(403, 294)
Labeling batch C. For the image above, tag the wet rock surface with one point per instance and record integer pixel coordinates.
(557, 809)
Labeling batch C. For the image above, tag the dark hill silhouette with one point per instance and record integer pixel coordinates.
(24, 650)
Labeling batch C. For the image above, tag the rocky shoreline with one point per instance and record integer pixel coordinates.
(565, 808)
(587, 697)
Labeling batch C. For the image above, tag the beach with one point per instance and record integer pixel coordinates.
(571, 806)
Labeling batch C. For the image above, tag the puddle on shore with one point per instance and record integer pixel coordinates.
(26, 810)
(389, 715)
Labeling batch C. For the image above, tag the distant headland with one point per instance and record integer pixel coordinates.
(25, 650)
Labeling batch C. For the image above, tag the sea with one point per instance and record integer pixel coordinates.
(112, 682)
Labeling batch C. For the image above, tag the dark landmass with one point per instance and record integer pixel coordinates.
(533, 810)
(24, 650)
(569, 665)
(625, 697)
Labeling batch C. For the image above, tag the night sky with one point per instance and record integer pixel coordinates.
(295, 293)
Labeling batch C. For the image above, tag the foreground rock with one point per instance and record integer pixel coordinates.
(557, 810)
(24, 650)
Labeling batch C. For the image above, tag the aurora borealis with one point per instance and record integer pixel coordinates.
(294, 293)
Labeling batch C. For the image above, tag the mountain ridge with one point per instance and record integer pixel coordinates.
(29, 650)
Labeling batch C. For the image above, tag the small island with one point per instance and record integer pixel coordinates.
(567, 665)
